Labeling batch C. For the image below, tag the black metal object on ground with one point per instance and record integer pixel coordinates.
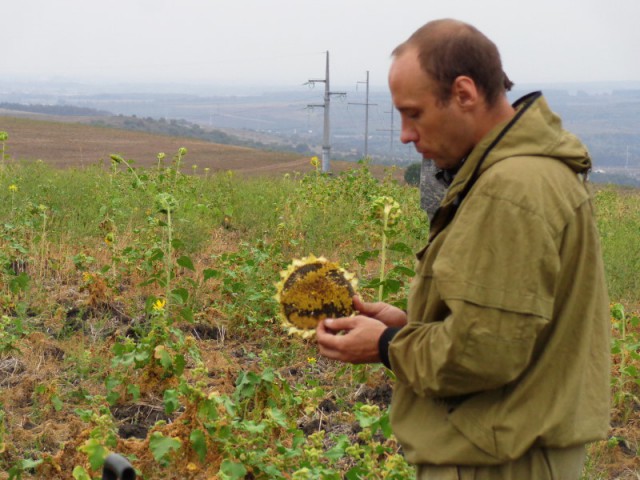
(116, 467)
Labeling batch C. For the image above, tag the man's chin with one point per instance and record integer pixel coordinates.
(437, 162)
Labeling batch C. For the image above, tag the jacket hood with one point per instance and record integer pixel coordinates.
(533, 131)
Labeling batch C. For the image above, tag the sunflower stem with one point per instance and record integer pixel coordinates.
(383, 252)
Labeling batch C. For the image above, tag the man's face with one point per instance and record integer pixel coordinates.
(440, 132)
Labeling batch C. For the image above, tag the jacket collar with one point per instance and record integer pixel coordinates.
(471, 169)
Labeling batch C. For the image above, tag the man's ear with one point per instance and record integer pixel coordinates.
(465, 93)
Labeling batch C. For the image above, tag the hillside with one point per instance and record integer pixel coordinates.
(63, 143)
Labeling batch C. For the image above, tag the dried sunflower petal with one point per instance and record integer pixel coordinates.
(311, 290)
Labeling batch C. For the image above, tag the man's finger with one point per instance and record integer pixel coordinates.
(359, 304)
(327, 337)
(337, 324)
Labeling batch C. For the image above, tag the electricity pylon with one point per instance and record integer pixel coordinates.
(326, 136)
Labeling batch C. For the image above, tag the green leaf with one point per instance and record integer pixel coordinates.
(112, 382)
(142, 357)
(112, 394)
(28, 463)
(267, 376)
(356, 473)
(402, 270)
(85, 415)
(165, 359)
(391, 285)
(187, 314)
(179, 363)
(186, 262)
(19, 283)
(134, 391)
(95, 452)
(171, 402)
(401, 303)
(246, 384)
(180, 295)
(367, 255)
(57, 403)
(617, 311)
(235, 471)
(208, 409)
(401, 248)
(199, 444)
(253, 427)
(337, 451)
(210, 273)
(162, 446)
(21, 466)
(79, 473)
(156, 254)
(385, 425)
(373, 283)
(278, 416)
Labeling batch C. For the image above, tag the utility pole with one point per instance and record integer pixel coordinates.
(366, 116)
(391, 131)
(326, 136)
(626, 163)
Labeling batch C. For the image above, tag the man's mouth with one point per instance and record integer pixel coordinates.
(426, 155)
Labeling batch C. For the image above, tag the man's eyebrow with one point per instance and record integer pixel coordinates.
(407, 109)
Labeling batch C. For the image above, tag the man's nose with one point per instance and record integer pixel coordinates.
(408, 134)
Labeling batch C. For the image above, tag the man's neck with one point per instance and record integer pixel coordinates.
(489, 117)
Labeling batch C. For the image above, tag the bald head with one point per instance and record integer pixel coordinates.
(448, 49)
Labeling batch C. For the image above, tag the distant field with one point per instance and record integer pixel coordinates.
(65, 144)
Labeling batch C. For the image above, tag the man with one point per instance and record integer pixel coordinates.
(502, 359)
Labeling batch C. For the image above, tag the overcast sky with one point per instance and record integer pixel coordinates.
(282, 42)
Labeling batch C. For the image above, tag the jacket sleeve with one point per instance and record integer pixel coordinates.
(496, 272)
(474, 349)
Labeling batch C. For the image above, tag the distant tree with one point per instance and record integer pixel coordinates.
(412, 174)
(53, 109)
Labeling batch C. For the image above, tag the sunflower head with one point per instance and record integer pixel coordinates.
(311, 290)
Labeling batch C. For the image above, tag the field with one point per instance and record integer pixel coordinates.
(69, 142)
(138, 314)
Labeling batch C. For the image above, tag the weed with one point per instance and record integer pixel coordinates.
(626, 351)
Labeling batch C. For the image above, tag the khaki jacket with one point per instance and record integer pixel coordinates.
(507, 345)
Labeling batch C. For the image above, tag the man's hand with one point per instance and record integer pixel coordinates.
(388, 314)
(355, 339)
(350, 339)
